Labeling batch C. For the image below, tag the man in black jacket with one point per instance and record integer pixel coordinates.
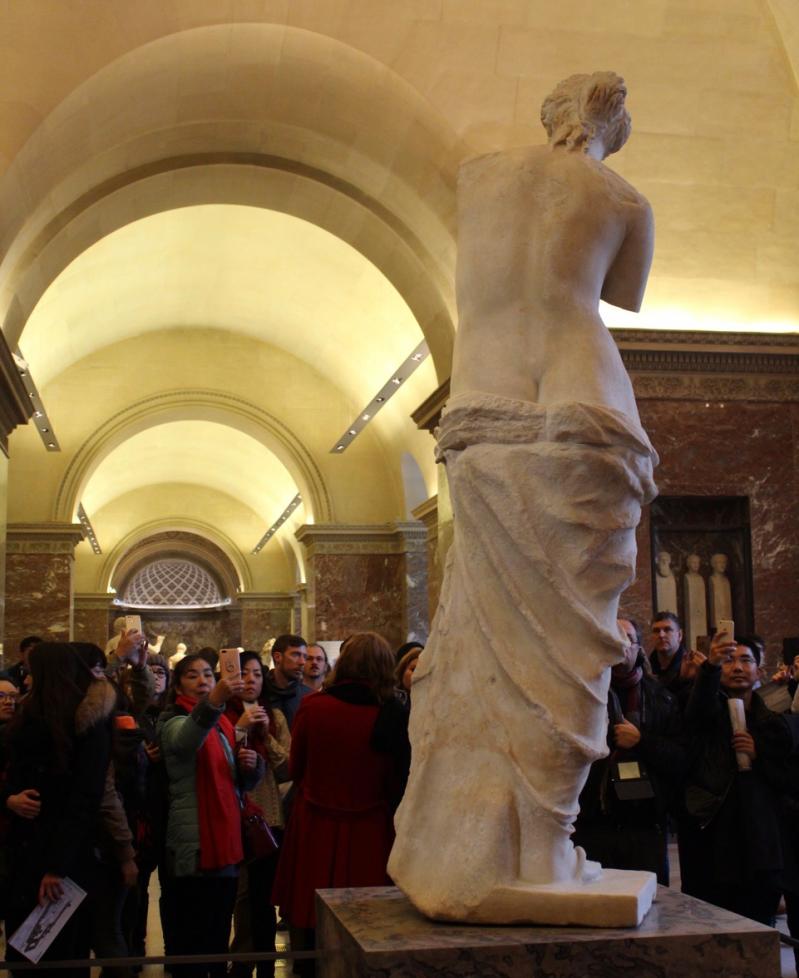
(623, 806)
(283, 685)
(741, 850)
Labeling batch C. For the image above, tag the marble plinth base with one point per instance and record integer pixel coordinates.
(618, 898)
(375, 931)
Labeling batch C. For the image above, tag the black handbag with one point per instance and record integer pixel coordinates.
(256, 836)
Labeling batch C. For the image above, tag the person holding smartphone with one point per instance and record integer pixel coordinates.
(266, 731)
(203, 838)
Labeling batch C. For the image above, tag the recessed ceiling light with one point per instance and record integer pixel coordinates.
(339, 448)
(366, 416)
(51, 444)
(396, 380)
(353, 431)
(379, 400)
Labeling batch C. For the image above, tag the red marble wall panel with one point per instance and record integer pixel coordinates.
(38, 598)
(739, 448)
(359, 592)
(91, 625)
(260, 624)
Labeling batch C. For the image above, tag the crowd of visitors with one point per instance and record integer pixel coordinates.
(247, 789)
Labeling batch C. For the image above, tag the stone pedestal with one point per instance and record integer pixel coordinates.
(376, 932)
(366, 578)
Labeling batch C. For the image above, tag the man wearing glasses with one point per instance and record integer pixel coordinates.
(8, 701)
(735, 793)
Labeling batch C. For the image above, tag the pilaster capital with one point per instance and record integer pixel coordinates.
(382, 538)
(43, 538)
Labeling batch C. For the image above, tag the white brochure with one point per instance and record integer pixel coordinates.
(41, 927)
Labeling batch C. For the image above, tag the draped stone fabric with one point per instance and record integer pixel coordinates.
(509, 696)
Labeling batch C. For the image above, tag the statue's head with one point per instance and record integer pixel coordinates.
(664, 563)
(719, 563)
(584, 108)
(693, 562)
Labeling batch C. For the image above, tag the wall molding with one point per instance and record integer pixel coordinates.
(383, 538)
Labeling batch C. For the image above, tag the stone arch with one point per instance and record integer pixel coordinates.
(306, 103)
(241, 179)
(209, 543)
(207, 405)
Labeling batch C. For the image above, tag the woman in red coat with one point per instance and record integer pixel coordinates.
(348, 748)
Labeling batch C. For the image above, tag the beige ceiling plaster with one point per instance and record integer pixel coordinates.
(712, 93)
(269, 275)
(196, 453)
(293, 409)
(362, 126)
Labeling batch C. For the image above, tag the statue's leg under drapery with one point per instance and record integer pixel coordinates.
(509, 707)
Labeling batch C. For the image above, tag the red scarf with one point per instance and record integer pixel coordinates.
(218, 808)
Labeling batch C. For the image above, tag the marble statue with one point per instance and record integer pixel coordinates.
(665, 584)
(113, 642)
(179, 653)
(548, 468)
(694, 600)
(719, 588)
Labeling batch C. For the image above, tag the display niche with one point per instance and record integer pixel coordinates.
(702, 562)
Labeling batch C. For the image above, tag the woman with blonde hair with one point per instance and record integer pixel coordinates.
(348, 748)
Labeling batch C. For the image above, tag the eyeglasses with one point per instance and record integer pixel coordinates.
(8, 696)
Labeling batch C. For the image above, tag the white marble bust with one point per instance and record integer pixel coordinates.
(665, 584)
(180, 653)
(719, 588)
(694, 600)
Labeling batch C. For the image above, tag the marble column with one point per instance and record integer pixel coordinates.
(92, 617)
(427, 514)
(15, 409)
(39, 563)
(366, 578)
(264, 615)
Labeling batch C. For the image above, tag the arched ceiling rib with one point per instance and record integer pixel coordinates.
(196, 453)
(265, 274)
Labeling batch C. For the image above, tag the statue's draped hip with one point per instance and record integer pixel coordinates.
(509, 699)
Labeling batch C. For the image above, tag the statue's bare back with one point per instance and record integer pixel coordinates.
(545, 232)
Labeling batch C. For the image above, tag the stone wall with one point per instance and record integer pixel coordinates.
(739, 448)
(367, 578)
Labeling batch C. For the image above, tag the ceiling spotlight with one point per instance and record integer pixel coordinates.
(339, 448)
(417, 357)
(51, 444)
(45, 431)
(379, 400)
(352, 431)
(38, 414)
(396, 380)
(366, 416)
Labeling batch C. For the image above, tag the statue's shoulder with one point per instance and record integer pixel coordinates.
(621, 189)
(503, 163)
